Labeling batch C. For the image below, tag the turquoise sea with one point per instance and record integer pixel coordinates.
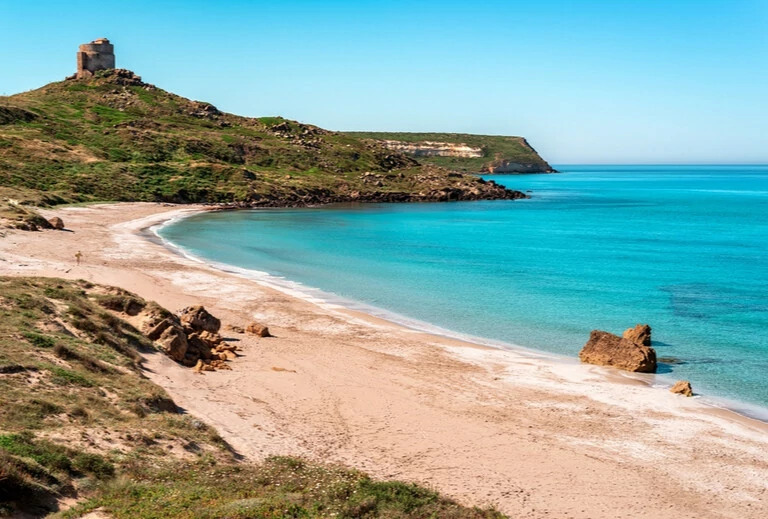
(683, 248)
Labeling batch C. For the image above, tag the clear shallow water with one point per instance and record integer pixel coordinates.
(682, 248)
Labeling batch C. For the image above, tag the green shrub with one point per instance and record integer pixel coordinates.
(64, 377)
(41, 341)
(122, 303)
(93, 464)
(48, 455)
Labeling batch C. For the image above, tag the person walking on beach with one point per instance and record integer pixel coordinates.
(78, 256)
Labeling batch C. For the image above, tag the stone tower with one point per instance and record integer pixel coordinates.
(97, 55)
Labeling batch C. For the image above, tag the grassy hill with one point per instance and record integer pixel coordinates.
(500, 154)
(79, 420)
(117, 138)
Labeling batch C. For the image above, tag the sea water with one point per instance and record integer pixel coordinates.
(683, 248)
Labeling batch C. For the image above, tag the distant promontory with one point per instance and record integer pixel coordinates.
(486, 154)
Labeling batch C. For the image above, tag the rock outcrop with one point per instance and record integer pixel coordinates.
(607, 349)
(28, 220)
(173, 341)
(682, 387)
(191, 338)
(198, 319)
(640, 334)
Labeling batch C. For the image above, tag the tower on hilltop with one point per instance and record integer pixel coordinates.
(94, 56)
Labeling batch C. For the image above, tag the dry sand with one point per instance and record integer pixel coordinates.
(535, 436)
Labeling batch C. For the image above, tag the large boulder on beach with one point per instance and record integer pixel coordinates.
(198, 319)
(607, 349)
(682, 387)
(258, 329)
(190, 338)
(57, 223)
(640, 334)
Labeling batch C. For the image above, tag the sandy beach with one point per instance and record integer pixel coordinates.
(530, 434)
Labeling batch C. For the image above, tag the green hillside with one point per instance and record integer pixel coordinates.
(498, 152)
(117, 138)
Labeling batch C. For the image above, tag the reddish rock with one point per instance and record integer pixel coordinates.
(154, 329)
(259, 330)
(188, 339)
(211, 339)
(198, 348)
(57, 223)
(607, 349)
(151, 318)
(174, 343)
(199, 320)
(640, 334)
(682, 387)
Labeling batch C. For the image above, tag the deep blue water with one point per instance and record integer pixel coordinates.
(684, 248)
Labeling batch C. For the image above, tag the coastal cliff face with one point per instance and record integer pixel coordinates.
(435, 149)
(486, 154)
(114, 137)
(503, 166)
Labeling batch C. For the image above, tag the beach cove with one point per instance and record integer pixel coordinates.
(681, 248)
(533, 435)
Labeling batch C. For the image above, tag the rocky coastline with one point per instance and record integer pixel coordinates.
(482, 190)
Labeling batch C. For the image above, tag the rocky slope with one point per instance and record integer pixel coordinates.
(464, 152)
(115, 137)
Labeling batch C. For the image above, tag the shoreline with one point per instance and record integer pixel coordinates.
(333, 302)
(483, 425)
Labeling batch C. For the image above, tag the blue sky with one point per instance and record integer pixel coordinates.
(584, 81)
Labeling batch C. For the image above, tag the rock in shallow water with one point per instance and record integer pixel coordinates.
(640, 334)
(607, 349)
(682, 387)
